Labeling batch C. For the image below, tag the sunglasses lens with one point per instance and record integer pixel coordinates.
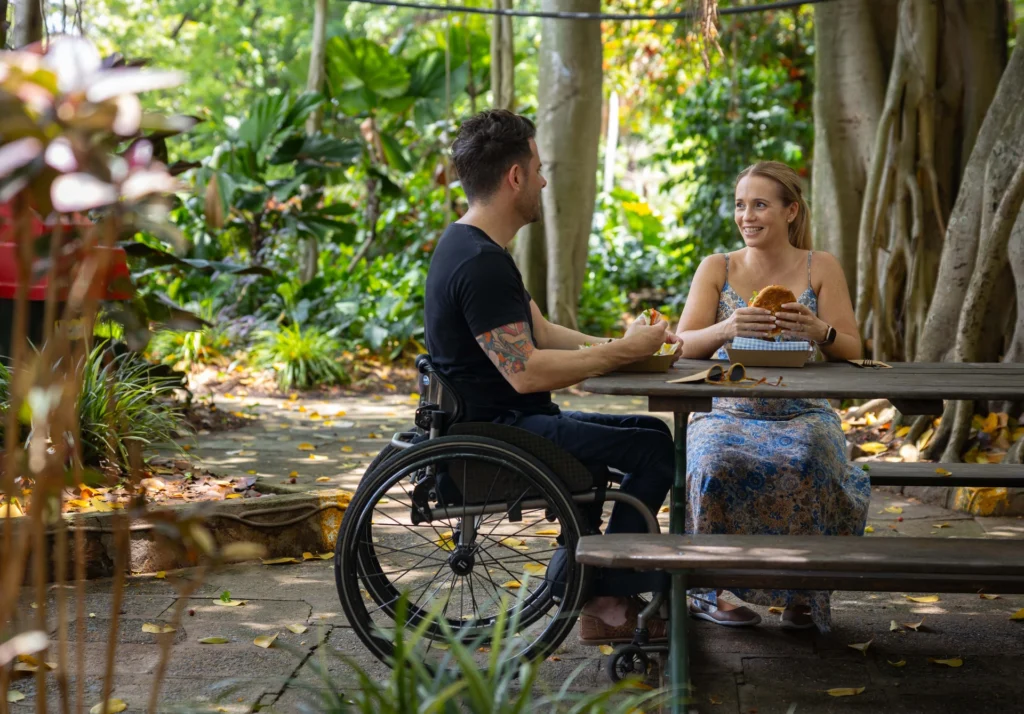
(737, 372)
(715, 374)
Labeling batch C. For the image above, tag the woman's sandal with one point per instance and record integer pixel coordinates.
(594, 631)
(738, 617)
(792, 619)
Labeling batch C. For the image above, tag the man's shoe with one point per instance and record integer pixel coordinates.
(594, 631)
(739, 617)
(791, 619)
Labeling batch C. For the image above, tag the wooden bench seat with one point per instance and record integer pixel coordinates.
(818, 562)
(884, 473)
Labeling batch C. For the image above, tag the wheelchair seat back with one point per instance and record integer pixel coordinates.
(435, 389)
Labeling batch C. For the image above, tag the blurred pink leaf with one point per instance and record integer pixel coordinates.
(115, 82)
(146, 182)
(129, 115)
(74, 60)
(80, 192)
(60, 155)
(18, 153)
(139, 154)
(158, 123)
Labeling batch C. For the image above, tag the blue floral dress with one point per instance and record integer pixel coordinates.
(773, 467)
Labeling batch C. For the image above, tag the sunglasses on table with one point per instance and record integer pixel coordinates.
(735, 374)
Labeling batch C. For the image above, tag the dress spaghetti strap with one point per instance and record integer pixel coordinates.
(810, 254)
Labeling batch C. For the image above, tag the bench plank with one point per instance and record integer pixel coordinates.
(939, 558)
(884, 473)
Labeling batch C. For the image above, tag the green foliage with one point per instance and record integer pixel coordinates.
(457, 683)
(302, 356)
(122, 404)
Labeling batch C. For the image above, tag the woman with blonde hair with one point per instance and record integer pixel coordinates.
(771, 466)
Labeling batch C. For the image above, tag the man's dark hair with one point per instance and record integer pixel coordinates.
(487, 146)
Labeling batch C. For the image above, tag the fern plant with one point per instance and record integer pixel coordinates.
(302, 357)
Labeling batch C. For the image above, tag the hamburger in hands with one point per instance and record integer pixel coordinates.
(772, 298)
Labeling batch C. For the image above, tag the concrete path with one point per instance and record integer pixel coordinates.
(751, 671)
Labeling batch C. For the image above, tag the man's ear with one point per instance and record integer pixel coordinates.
(515, 176)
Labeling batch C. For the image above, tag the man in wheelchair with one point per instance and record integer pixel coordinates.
(488, 339)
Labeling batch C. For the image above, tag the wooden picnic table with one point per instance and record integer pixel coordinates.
(914, 388)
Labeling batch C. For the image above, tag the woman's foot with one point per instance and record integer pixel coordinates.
(724, 613)
(614, 619)
(797, 618)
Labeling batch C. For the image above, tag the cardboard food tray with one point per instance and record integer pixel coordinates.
(654, 363)
(769, 358)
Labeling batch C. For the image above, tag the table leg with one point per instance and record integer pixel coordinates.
(679, 656)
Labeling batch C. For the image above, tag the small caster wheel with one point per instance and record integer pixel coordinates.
(627, 661)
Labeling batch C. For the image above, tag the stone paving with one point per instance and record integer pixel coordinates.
(750, 671)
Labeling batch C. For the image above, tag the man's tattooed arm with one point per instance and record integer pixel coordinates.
(508, 346)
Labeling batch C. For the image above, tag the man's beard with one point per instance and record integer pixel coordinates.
(532, 211)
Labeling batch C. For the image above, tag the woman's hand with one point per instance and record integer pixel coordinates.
(749, 322)
(797, 321)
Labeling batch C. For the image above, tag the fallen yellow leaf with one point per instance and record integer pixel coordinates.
(156, 629)
(893, 509)
(535, 568)
(845, 691)
(1019, 615)
(862, 647)
(923, 598)
(440, 646)
(325, 556)
(873, 447)
(913, 625)
(941, 525)
(902, 431)
(987, 596)
(297, 629)
(347, 449)
(894, 626)
(306, 447)
(213, 641)
(869, 529)
(714, 700)
(265, 641)
(991, 423)
(512, 585)
(14, 696)
(445, 544)
(229, 396)
(323, 479)
(664, 509)
(279, 561)
(251, 471)
(845, 426)
(233, 495)
(293, 474)
(228, 603)
(293, 397)
(114, 706)
(301, 409)
(776, 610)
(512, 542)
(900, 663)
(943, 472)
(606, 649)
(548, 532)
(925, 438)
(160, 574)
(954, 662)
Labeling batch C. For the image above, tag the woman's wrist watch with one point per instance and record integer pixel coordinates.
(830, 336)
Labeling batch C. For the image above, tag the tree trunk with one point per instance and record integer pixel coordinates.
(530, 253)
(28, 22)
(846, 112)
(503, 59)
(3, 24)
(314, 83)
(569, 128)
(317, 70)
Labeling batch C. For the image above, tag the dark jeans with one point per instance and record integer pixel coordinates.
(639, 446)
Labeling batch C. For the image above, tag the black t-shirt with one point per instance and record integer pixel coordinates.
(473, 285)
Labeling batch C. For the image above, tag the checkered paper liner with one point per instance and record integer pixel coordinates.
(752, 343)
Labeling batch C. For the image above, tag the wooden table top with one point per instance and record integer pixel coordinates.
(830, 380)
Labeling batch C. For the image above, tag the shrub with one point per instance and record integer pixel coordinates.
(123, 403)
(301, 356)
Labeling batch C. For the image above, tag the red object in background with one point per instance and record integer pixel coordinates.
(112, 288)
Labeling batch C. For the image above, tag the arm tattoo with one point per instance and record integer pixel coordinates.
(508, 346)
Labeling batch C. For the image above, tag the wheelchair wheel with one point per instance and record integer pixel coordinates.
(465, 527)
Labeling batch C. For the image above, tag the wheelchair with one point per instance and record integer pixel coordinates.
(475, 523)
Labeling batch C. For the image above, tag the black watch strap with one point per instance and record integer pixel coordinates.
(830, 336)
